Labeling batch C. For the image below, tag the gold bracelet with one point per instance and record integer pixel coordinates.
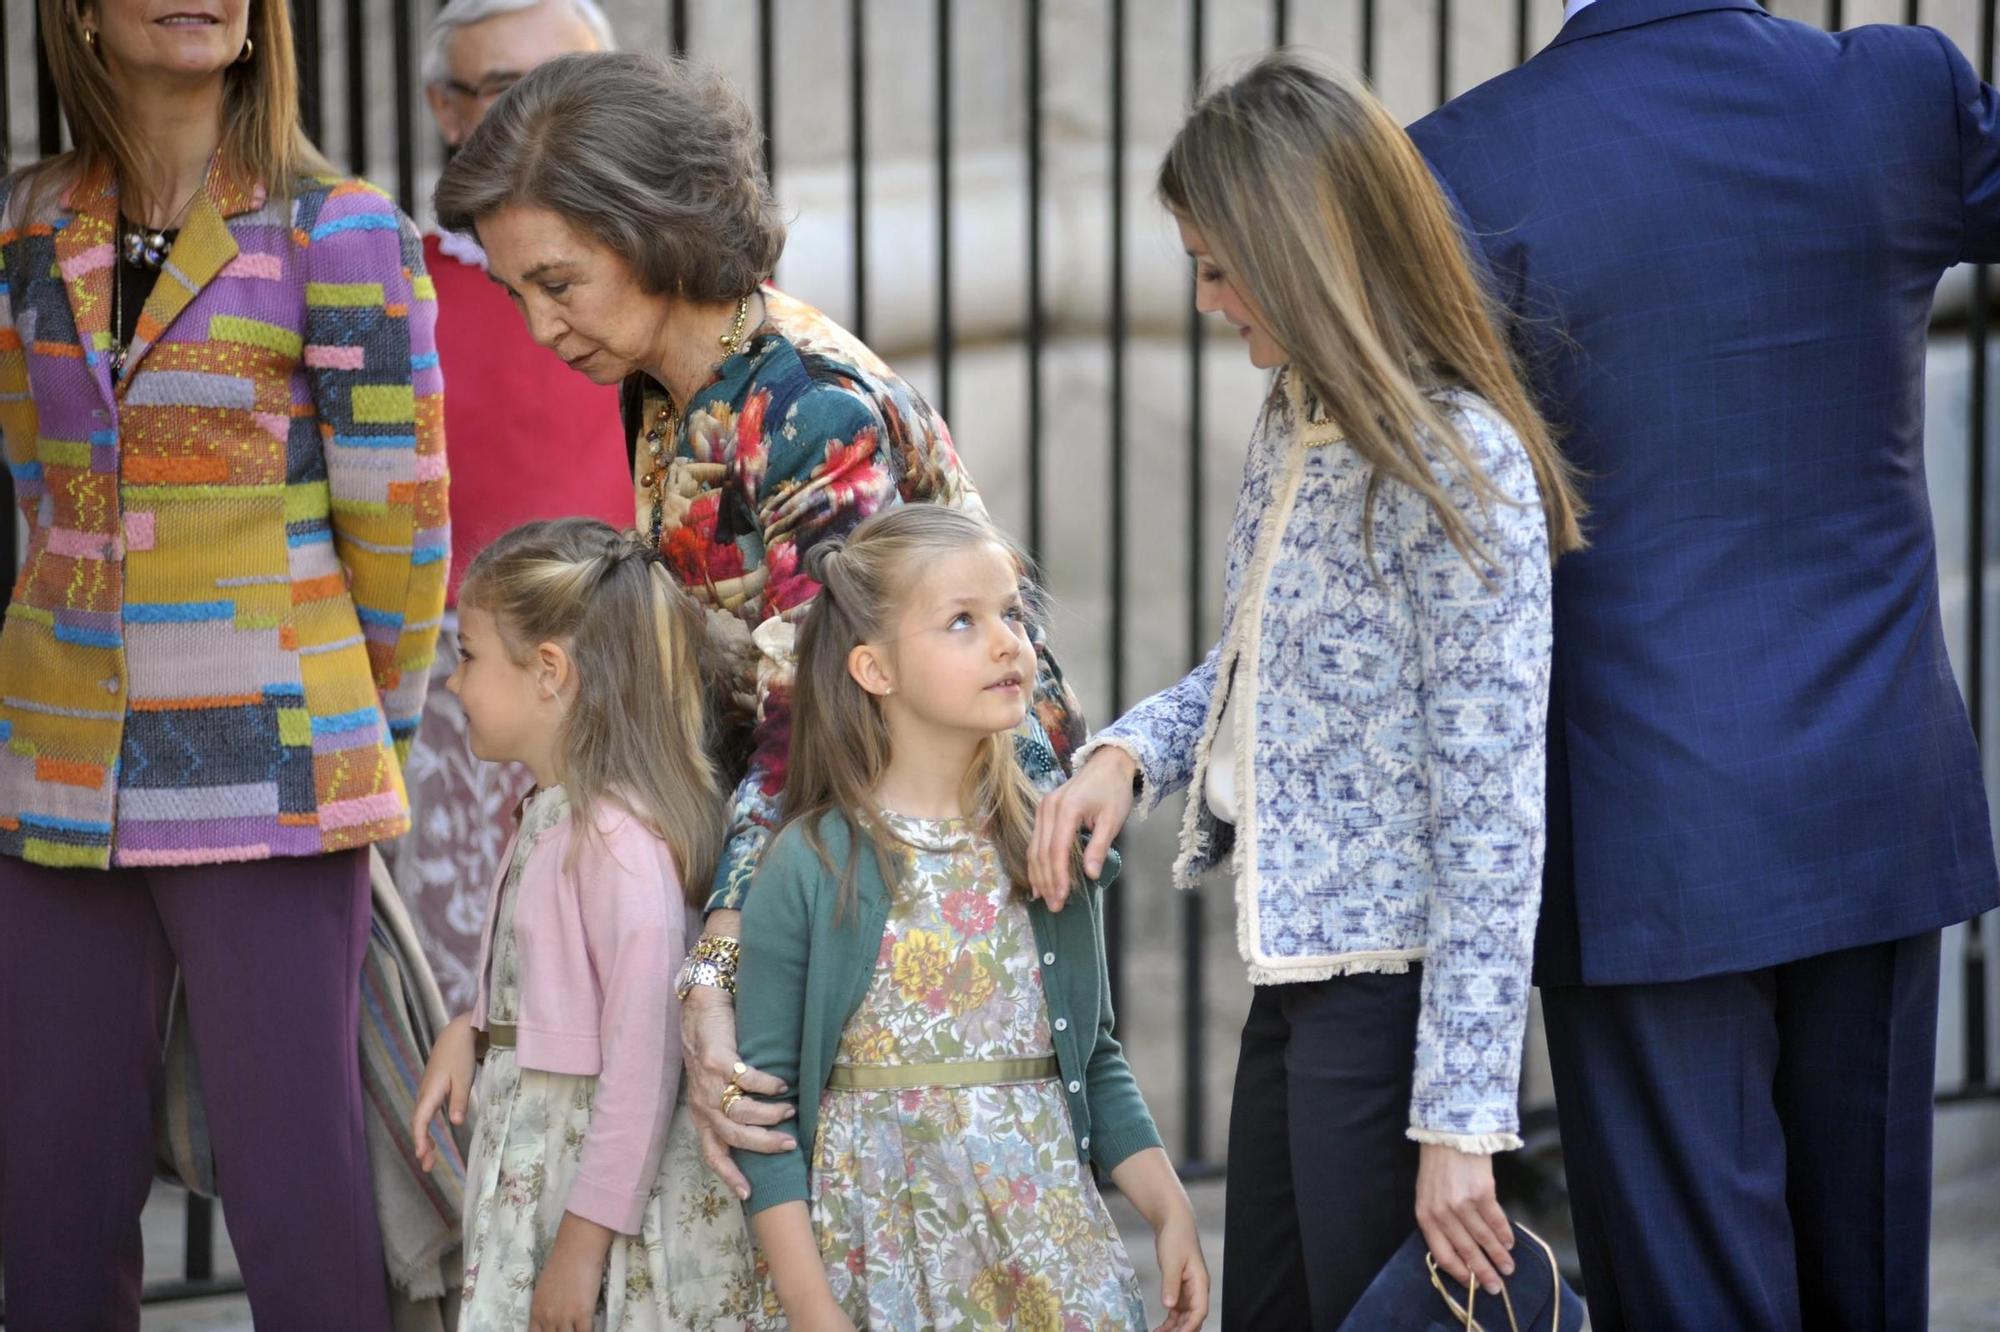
(712, 963)
(719, 948)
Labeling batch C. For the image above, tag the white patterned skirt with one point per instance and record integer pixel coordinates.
(691, 1267)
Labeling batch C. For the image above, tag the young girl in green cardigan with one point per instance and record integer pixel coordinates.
(946, 1040)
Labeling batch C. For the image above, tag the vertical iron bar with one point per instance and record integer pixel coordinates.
(6, 117)
(7, 109)
(1975, 670)
(406, 105)
(198, 1264)
(1035, 313)
(1836, 16)
(7, 509)
(767, 85)
(312, 102)
(1368, 40)
(677, 26)
(1522, 34)
(944, 294)
(1114, 902)
(48, 107)
(1443, 52)
(1194, 1060)
(1910, 11)
(1280, 26)
(857, 130)
(355, 36)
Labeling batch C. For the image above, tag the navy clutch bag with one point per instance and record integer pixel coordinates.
(1412, 1294)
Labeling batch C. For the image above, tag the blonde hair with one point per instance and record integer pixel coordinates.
(1328, 220)
(263, 142)
(840, 741)
(637, 731)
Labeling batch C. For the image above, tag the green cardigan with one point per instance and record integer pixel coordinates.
(802, 976)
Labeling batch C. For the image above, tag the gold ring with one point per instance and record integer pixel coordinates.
(737, 1070)
(730, 1096)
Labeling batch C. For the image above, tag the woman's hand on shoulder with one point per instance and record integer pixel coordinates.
(1098, 797)
(446, 1086)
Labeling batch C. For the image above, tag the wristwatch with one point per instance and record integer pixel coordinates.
(712, 963)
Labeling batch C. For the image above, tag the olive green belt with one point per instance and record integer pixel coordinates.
(943, 1073)
(497, 1036)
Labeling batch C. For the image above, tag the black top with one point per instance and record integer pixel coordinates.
(135, 284)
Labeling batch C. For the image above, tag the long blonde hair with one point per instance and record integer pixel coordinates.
(637, 731)
(840, 741)
(263, 142)
(1329, 222)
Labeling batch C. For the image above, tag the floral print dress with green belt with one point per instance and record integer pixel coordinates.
(960, 1207)
(690, 1268)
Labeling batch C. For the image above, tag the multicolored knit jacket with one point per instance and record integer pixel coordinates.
(219, 641)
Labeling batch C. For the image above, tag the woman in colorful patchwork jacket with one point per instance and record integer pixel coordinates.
(220, 406)
(1365, 744)
(623, 203)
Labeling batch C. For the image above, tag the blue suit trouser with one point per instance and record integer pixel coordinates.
(1753, 1151)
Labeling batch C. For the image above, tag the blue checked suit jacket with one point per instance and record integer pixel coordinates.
(1719, 234)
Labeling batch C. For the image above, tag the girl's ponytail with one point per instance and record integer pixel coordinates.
(840, 742)
(637, 732)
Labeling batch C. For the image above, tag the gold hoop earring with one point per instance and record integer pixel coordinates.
(90, 38)
(249, 49)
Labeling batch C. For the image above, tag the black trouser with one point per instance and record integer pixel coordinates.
(1322, 1179)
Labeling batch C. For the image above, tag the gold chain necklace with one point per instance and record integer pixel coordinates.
(654, 482)
(666, 424)
(733, 339)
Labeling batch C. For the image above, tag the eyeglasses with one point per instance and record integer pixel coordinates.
(488, 89)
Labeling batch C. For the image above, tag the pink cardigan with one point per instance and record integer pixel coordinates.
(598, 951)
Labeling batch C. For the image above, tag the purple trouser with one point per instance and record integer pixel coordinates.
(270, 953)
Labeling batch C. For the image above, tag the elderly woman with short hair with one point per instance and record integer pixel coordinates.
(623, 203)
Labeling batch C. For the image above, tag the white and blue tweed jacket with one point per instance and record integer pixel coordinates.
(1390, 747)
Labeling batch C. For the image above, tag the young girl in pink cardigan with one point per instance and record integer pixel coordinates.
(587, 1204)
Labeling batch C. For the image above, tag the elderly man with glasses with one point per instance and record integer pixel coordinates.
(526, 438)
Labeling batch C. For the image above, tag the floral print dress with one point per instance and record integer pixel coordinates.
(691, 1267)
(960, 1207)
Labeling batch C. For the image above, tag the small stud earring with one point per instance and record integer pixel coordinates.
(90, 38)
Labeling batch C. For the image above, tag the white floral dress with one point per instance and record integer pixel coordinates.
(960, 1207)
(691, 1266)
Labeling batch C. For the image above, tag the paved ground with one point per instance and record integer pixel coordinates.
(1965, 1257)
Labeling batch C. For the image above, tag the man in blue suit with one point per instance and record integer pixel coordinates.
(1719, 235)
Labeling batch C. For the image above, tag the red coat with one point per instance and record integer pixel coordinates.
(526, 436)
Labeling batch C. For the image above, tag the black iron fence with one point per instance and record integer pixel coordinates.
(341, 54)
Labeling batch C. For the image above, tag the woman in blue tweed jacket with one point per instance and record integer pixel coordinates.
(1365, 744)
